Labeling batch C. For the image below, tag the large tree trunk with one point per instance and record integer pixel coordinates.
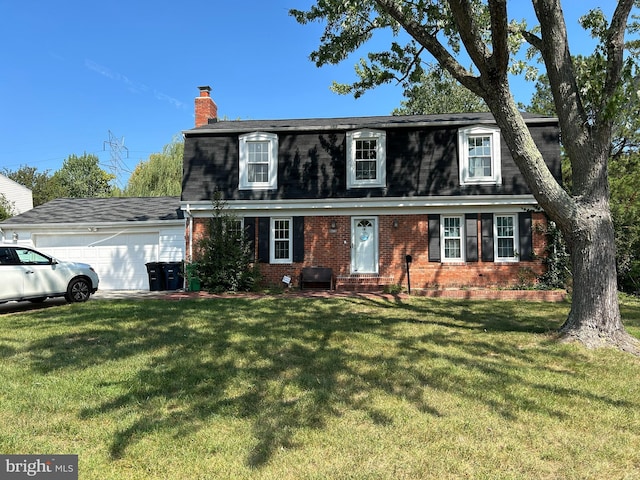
(586, 224)
(594, 319)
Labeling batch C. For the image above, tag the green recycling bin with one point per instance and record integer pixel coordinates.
(193, 282)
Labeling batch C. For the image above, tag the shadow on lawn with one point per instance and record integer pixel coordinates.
(292, 364)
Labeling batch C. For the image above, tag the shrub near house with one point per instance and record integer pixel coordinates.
(359, 194)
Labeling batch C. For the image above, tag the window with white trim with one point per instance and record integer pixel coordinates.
(281, 240)
(479, 150)
(258, 161)
(506, 238)
(236, 228)
(452, 239)
(366, 159)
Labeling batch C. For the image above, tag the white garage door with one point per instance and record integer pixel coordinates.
(120, 260)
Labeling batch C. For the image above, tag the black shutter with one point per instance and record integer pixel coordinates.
(487, 237)
(250, 232)
(263, 239)
(471, 232)
(525, 232)
(298, 239)
(434, 238)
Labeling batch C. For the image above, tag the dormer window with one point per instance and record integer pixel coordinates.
(479, 150)
(258, 161)
(366, 159)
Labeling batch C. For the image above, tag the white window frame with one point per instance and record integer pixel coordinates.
(273, 240)
(245, 140)
(237, 226)
(381, 158)
(464, 134)
(443, 239)
(515, 236)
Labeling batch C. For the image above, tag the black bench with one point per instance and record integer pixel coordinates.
(316, 277)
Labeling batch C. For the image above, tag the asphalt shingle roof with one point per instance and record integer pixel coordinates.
(102, 210)
(346, 123)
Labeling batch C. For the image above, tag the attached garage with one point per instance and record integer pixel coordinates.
(116, 236)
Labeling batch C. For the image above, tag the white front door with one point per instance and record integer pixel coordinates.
(364, 245)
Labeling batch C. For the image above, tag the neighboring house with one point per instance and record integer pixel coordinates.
(117, 236)
(358, 195)
(20, 198)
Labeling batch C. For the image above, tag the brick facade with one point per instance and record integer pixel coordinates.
(399, 236)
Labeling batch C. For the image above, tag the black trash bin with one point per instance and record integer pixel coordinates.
(156, 276)
(172, 275)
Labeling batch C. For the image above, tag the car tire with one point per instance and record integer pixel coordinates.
(78, 290)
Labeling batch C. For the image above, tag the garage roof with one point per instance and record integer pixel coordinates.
(101, 210)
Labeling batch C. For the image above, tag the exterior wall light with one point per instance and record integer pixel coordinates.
(395, 223)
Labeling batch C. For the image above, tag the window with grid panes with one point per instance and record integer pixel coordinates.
(506, 233)
(258, 163)
(366, 158)
(480, 156)
(452, 238)
(281, 248)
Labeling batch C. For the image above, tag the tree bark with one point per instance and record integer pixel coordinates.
(594, 319)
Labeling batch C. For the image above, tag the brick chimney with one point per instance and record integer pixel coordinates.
(206, 108)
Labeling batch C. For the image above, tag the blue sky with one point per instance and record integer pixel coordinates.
(72, 71)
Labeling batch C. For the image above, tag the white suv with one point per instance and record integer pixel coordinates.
(30, 275)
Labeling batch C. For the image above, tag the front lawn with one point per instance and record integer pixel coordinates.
(299, 388)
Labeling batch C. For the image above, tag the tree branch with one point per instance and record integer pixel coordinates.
(554, 48)
(499, 35)
(468, 29)
(433, 46)
(533, 40)
(614, 44)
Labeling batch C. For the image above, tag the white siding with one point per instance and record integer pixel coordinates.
(19, 196)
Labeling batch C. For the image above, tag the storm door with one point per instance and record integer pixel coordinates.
(364, 245)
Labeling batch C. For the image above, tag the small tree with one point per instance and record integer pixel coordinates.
(224, 257)
(6, 208)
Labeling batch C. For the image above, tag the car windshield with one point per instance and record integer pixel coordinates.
(31, 257)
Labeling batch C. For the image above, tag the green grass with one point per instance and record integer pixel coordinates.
(338, 388)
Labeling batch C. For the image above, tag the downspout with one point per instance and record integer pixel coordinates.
(190, 217)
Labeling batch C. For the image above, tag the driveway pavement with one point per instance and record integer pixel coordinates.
(129, 294)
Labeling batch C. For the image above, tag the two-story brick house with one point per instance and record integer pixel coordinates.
(357, 195)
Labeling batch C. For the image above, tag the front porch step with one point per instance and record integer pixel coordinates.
(363, 282)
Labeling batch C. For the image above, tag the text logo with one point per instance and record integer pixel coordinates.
(45, 467)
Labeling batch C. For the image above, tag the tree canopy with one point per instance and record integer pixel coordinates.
(436, 91)
(81, 177)
(38, 182)
(160, 175)
(483, 31)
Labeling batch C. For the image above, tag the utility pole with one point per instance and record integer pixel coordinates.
(116, 165)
